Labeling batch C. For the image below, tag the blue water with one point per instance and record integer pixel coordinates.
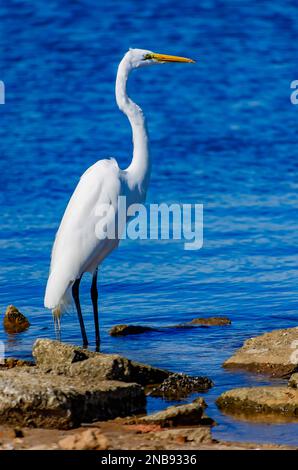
(223, 133)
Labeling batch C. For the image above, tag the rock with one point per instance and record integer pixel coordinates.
(198, 435)
(73, 361)
(182, 415)
(178, 386)
(260, 401)
(125, 330)
(14, 321)
(274, 353)
(293, 382)
(29, 397)
(52, 355)
(186, 326)
(91, 439)
(211, 321)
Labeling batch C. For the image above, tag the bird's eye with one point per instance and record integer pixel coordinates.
(147, 57)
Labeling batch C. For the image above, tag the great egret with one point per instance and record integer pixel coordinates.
(77, 249)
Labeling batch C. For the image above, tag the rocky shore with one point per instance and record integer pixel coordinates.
(69, 386)
(115, 435)
(73, 398)
(273, 353)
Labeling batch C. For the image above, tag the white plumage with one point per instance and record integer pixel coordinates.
(77, 248)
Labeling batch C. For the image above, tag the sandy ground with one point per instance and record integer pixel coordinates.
(121, 436)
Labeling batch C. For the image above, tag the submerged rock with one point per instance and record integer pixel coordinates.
(186, 326)
(211, 321)
(72, 361)
(30, 397)
(125, 330)
(265, 401)
(178, 386)
(180, 415)
(14, 321)
(274, 353)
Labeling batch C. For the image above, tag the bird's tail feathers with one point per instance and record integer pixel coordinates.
(58, 297)
(57, 312)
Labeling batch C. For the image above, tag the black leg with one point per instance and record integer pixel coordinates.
(94, 298)
(75, 294)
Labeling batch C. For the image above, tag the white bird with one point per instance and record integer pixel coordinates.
(77, 248)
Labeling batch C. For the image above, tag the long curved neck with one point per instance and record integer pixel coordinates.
(139, 169)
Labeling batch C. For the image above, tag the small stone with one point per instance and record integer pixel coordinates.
(14, 321)
(91, 439)
(197, 434)
(178, 386)
(180, 439)
(211, 321)
(125, 330)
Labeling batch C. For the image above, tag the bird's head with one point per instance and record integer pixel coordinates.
(141, 58)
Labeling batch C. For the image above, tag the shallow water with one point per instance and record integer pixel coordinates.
(223, 133)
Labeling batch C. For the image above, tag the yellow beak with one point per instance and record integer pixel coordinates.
(171, 58)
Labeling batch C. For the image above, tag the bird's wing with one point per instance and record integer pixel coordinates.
(76, 245)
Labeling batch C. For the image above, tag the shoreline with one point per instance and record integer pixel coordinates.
(73, 398)
(123, 437)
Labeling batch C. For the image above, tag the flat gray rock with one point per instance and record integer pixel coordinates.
(73, 361)
(30, 397)
(275, 353)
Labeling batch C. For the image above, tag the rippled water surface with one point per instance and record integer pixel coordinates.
(223, 133)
